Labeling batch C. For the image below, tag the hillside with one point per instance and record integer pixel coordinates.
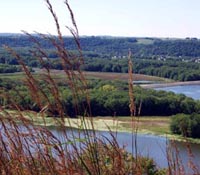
(102, 46)
(169, 58)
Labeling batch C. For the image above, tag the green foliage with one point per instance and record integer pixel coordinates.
(108, 87)
(107, 98)
(6, 68)
(186, 125)
(116, 46)
(172, 69)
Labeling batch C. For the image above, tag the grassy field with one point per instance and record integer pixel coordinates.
(152, 125)
(155, 125)
(89, 75)
(122, 76)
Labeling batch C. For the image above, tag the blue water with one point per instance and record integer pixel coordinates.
(147, 145)
(151, 146)
(188, 90)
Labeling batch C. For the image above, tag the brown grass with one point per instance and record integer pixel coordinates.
(60, 76)
(108, 75)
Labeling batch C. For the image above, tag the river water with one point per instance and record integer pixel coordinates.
(192, 91)
(151, 146)
(188, 90)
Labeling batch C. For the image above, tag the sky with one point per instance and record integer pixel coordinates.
(134, 18)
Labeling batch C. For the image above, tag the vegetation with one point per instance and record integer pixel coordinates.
(186, 125)
(6, 68)
(107, 98)
(121, 158)
(97, 46)
(172, 69)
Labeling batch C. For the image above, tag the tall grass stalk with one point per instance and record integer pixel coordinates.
(133, 112)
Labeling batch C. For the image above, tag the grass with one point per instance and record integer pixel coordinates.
(13, 76)
(146, 125)
(60, 74)
(153, 124)
(121, 76)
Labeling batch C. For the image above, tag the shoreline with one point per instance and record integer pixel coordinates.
(162, 85)
(107, 124)
(114, 126)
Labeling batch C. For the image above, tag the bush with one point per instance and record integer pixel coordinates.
(186, 125)
(114, 160)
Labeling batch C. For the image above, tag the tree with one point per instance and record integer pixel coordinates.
(186, 125)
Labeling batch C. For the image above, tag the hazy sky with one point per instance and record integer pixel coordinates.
(149, 18)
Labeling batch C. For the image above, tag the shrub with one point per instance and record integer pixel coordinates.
(114, 160)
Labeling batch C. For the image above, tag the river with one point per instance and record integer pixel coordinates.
(188, 90)
(192, 91)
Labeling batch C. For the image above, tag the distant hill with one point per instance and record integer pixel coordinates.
(117, 46)
(176, 59)
(11, 34)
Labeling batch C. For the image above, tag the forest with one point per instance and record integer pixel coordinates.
(107, 46)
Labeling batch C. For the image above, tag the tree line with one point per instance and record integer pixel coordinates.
(186, 125)
(172, 69)
(117, 46)
(106, 99)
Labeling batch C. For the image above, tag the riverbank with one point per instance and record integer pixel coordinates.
(169, 84)
(147, 124)
(143, 125)
(154, 125)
